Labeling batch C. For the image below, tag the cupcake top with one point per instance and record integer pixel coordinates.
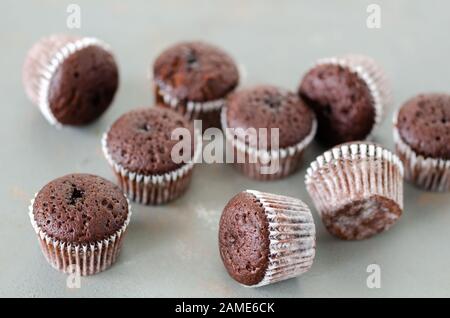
(195, 71)
(83, 86)
(80, 208)
(141, 140)
(269, 107)
(244, 239)
(342, 102)
(423, 123)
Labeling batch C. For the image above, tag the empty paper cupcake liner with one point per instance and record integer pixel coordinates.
(357, 177)
(85, 259)
(256, 161)
(153, 189)
(428, 173)
(372, 75)
(292, 237)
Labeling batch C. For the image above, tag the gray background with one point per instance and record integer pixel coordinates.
(172, 250)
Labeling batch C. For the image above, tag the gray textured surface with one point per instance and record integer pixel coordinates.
(172, 250)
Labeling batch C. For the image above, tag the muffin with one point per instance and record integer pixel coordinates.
(348, 95)
(357, 189)
(194, 78)
(265, 238)
(71, 79)
(80, 221)
(268, 129)
(138, 146)
(422, 140)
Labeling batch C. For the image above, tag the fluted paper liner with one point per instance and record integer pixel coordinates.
(208, 111)
(289, 158)
(372, 75)
(292, 237)
(154, 189)
(428, 173)
(53, 51)
(351, 173)
(87, 259)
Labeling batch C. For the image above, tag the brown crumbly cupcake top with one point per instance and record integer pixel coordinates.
(244, 239)
(363, 218)
(342, 102)
(141, 140)
(424, 124)
(80, 208)
(83, 86)
(196, 71)
(269, 107)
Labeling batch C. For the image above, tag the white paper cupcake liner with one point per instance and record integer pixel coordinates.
(154, 189)
(192, 108)
(292, 237)
(355, 173)
(37, 59)
(208, 111)
(372, 75)
(52, 55)
(428, 173)
(288, 159)
(85, 259)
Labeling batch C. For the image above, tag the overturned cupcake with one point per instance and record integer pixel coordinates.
(194, 78)
(422, 139)
(80, 221)
(265, 238)
(71, 79)
(349, 96)
(357, 189)
(139, 147)
(268, 129)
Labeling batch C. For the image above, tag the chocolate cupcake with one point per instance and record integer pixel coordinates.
(80, 221)
(422, 139)
(357, 189)
(194, 78)
(72, 79)
(248, 121)
(139, 145)
(348, 95)
(265, 238)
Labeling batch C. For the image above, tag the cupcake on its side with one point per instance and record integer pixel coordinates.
(194, 78)
(349, 95)
(138, 146)
(422, 138)
(265, 238)
(72, 79)
(357, 189)
(80, 221)
(248, 120)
